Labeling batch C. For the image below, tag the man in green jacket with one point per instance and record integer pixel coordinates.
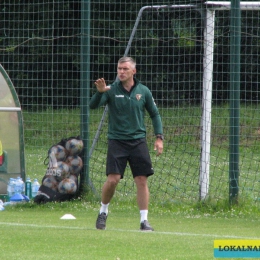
(127, 100)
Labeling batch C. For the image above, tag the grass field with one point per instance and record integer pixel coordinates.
(36, 232)
(184, 229)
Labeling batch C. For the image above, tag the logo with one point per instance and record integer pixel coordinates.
(236, 248)
(138, 96)
(53, 172)
(121, 96)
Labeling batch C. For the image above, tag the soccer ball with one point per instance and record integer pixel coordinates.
(73, 177)
(59, 152)
(75, 164)
(67, 186)
(50, 182)
(62, 171)
(74, 146)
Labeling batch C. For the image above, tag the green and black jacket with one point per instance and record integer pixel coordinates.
(127, 110)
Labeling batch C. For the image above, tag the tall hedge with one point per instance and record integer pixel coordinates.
(40, 49)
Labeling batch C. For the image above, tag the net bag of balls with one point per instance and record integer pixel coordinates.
(64, 165)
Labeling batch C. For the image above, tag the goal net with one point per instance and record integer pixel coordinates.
(182, 49)
(183, 55)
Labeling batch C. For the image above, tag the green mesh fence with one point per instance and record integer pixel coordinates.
(40, 48)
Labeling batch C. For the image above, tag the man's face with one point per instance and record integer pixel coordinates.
(125, 71)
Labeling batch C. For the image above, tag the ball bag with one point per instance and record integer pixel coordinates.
(57, 186)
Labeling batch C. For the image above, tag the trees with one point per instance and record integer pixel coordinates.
(40, 49)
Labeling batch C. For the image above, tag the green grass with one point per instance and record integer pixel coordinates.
(33, 231)
(184, 228)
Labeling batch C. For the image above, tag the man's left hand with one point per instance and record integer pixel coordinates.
(158, 146)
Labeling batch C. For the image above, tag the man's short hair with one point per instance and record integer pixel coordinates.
(127, 59)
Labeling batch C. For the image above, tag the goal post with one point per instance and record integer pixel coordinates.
(206, 103)
(211, 7)
(207, 85)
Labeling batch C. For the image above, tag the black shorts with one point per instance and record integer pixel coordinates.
(135, 152)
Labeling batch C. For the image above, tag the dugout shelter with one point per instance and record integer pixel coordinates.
(12, 163)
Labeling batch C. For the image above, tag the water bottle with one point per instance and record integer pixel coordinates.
(28, 187)
(10, 188)
(19, 186)
(35, 187)
(12, 183)
(16, 186)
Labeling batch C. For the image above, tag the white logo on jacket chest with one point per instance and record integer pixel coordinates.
(119, 96)
(138, 96)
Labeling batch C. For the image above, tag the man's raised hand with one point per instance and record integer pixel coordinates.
(101, 85)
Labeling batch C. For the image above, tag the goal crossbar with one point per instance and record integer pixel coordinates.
(225, 5)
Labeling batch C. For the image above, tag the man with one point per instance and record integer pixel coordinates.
(127, 100)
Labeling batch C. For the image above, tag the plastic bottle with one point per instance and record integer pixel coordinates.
(12, 183)
(19, 186)
(1, 205)
(35, 187)
(10, 188)
(16, 186)
(28, 187)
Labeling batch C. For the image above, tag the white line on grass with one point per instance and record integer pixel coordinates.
(126, 230)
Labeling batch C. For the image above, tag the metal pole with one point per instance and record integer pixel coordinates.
(206, 103)
(235, 37)
(84, 89)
